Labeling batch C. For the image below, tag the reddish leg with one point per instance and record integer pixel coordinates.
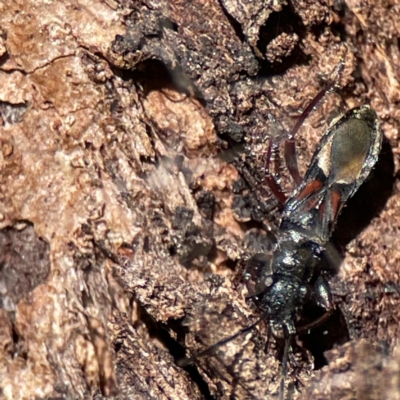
(290, 148)
(270, 179)
(290, 151)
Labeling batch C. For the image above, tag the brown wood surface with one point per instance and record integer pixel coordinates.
(123, 228)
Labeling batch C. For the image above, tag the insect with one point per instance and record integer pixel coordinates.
(344, 158)
(298, 272)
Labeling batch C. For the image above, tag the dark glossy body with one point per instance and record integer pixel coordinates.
(298, 272)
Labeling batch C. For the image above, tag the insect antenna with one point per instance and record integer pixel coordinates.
(284, 366)
(183, 362)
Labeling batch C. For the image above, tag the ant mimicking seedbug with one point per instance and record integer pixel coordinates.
(298, 272)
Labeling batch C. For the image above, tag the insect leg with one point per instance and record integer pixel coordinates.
(209, 350)
(315, 323)
(270, 179)
(323, 293)
(290, 148)
(324, 299)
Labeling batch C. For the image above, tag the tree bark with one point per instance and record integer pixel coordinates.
(125, 215)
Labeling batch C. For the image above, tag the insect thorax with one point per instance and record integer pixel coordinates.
(296, 263)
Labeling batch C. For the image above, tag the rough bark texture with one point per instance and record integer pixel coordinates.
(123, 226)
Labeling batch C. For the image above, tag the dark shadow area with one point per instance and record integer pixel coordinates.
(160, 332)
(284, 21)
(369, 200)
(4, 58)
(24, 263)
(237, 27)
(333, 332)
(153, 75)
(167, 23)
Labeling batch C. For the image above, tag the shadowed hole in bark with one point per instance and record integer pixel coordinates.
(237, 27)
(369, 199)
(278, 23)
(24, 263)
(4, 58)
(324, 337)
